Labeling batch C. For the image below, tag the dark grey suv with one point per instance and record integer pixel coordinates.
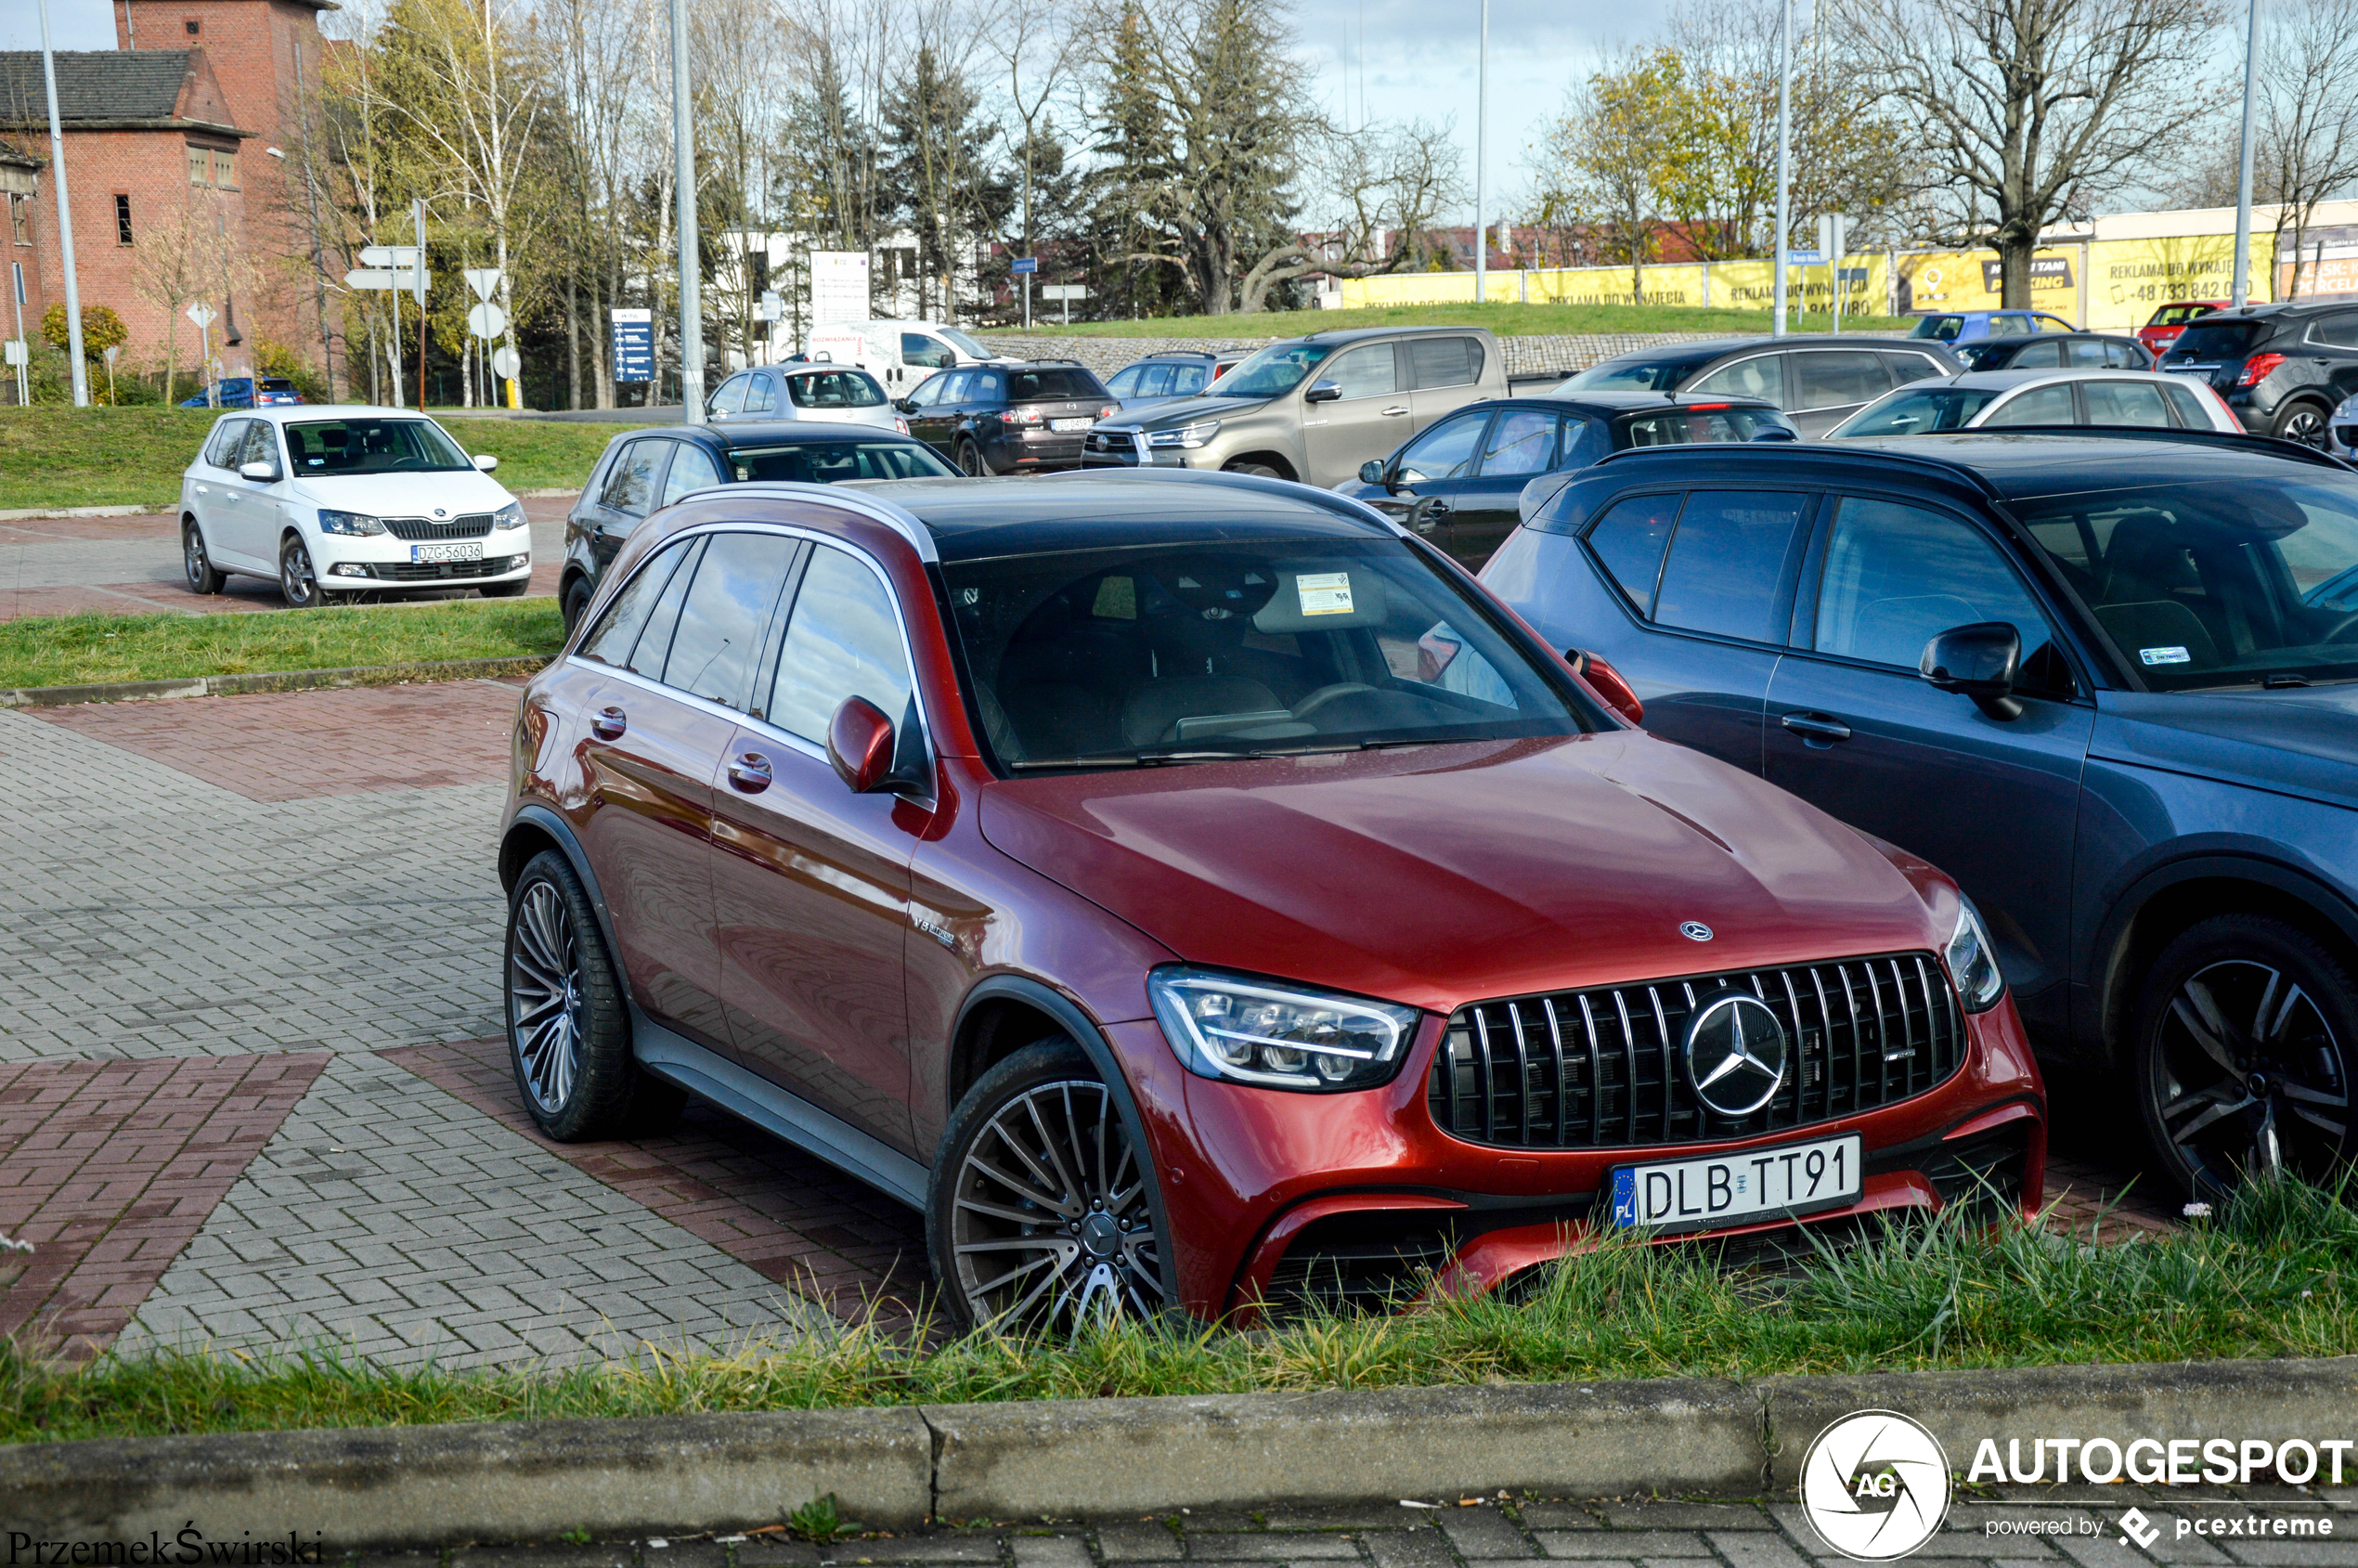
(2283, 369)
(2108, 683)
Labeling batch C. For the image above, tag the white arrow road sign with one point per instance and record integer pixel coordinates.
(402, 256)
(202, 314)
(384, 277)
(503, 363)
(482, 279)
(486, 320)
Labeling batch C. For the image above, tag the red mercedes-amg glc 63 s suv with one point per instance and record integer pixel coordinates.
(1195, 891)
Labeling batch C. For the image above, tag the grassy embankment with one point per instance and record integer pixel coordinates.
(62, 456)
(1505, 320)
(82, 650)
(2273, 1275)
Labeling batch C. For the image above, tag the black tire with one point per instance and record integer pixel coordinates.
(971, 461)
(576, 603)
(2300, 421)
(1096, 1235)
(505, 590)
(196, 561)
(1258, 470)
(298, 578)
(2243, 1054)
(568, 1029)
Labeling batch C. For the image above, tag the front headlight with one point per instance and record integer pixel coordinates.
(1973, 963)
(508, 516)
(348, 523)
(1190, 435)
(1251, 1032)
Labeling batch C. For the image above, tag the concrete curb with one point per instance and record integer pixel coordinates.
(1109, 1458)
(28, 513)
(284, 681)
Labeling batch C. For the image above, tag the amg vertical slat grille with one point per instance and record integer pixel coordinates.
(1603, 1068)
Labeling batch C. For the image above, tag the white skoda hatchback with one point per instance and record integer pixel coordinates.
(347, 500)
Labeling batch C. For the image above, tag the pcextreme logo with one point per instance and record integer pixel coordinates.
(1874, 1486)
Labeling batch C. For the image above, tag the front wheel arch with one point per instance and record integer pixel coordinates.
(1274, 461)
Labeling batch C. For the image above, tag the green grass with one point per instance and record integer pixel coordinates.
(2270, 1276)
(61, 456)
(1505, 320)
(83, 650)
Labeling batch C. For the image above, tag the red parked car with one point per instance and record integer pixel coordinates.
(1192, 889)
(2168, 321)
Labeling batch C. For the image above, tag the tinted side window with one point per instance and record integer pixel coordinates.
(1445, 361)
(655, 642)
(2044, 357)
(918, 349)
(762, 395)
(1725, 561)
(262, 442)
(2340, 330)
(928, 391)
(616, 633)
(1125, 381)
(691, 470)
(1629, 540)
(721, 620)
(227, 442)
(1761, 376)
(1446, 451)
(631, 485)
(731, 398)
(1363, 372)
(1830, 378)
(955, 386)
(1157, 383)
(1896, 576)
(2137, 403)
(2189, 406)
(1185, 379)
(1523, 442)
(2040, 405)
(1906, 367)
(1585, 441)
(986, 386)
(2125, 357)
(841, 642)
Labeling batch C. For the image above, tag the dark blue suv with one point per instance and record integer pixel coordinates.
(2110, 683)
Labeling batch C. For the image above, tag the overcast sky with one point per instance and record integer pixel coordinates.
(1418, 60)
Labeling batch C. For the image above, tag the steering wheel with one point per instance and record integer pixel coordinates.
(1326, 694)
(2333, 633)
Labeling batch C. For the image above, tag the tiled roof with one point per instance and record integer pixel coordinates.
(92, 85)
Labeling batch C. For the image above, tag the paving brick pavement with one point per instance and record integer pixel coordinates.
(107, 1168)
(1604, 1533)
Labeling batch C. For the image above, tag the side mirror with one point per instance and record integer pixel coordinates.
(261, 472)
(1981, 661)
(906, 404)
(1371, 472)
(485, 461)
(1322, 392)
(1607, 682)
(860, 745)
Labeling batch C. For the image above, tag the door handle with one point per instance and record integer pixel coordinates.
(609, 723)
(1819, 729)
(1395, 413)
(750, 772)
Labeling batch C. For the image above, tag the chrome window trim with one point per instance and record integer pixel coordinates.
(773, 731)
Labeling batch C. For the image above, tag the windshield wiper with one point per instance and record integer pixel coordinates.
(1149, 759)
(2282, 679)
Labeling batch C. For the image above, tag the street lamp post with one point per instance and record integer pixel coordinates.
(1784, 154)
(683, 148)
(2243, 174)
(1482, 164)
(65, 219)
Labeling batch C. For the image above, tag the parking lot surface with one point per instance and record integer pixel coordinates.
(252, 1091)
(1603, 1533)
(131, 566)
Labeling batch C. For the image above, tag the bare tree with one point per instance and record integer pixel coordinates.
(2021, 112)
(2308, 114)
(1380, 188)
(1032, 36)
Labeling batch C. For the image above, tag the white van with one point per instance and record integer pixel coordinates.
(901, 354)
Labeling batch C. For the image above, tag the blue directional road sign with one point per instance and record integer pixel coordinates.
(634, 345)
(1023, 265)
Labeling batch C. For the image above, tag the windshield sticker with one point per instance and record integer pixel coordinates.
(1324, 594)
(2165, 656)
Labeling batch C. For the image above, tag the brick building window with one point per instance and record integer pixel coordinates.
(225, 169)
(20, 219)
(121, 218)
(200, 166)
(194, 26)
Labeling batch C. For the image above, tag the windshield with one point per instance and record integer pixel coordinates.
(1944, 327)
(1279, 368)
(1202, 652)
(2207, 338)
(835, 389)
(965, 345)
(2226, 583)
(830, 462)
(371, 446)
(1919, 411)
(1617, 375)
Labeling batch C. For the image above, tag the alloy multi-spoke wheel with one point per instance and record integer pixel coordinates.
(196, 562)
(1044, 1218)
(545, 998)
(2245, 1054)
(568, 1029)
(298, 580)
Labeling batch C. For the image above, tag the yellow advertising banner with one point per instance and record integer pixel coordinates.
(2131, 279)
(1729, 285)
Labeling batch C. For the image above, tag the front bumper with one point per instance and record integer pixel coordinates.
(1120, 449)
(348, 570)
(1279, 1198)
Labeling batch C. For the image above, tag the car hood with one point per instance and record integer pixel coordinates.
(456, 491)
(2299, 742)
(1440, 875)
(1173, 412)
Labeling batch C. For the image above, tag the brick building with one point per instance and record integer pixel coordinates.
(190, 137)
